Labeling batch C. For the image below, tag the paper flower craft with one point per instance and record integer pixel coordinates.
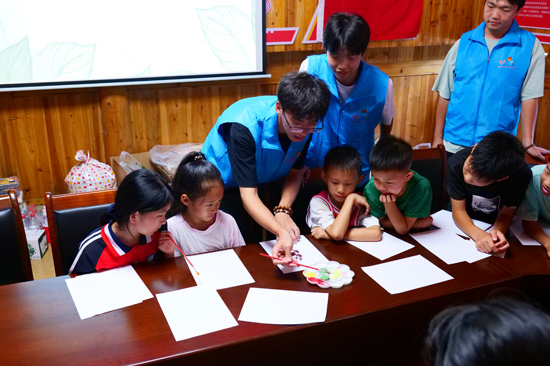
(330, 274)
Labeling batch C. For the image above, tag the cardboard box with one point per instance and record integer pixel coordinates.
(143, 159)
(37, 243)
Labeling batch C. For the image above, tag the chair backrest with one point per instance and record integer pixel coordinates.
(431, 163)
(15, 263)
(71, 217)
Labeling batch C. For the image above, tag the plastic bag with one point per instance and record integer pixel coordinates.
(166, 158)
(129, 163)
(89, 175)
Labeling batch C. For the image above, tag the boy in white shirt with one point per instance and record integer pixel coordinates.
(340, 213)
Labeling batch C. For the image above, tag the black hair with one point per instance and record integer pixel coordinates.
(344, 158)
(140, 191)
(519, 3)
(194, 177)
(346, 30)
(496, 156)
(500, 331)
(305, 96)
(391, 154)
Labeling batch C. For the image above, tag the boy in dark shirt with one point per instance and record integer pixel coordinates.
(487, 182)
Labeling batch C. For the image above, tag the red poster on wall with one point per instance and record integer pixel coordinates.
(388, 19)
(535, 14)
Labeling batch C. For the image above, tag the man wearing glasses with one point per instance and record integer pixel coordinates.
(264, 139)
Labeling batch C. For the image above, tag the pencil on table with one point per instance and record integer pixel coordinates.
(182, 253)
(301, 265)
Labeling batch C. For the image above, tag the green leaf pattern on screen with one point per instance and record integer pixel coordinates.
(58, 62)
(145, 73)
(231, 30)
(16, 63)
(64, 61)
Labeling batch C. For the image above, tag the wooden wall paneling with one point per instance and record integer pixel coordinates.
(8, 155)
(145, 120)
(26, 139)
(292, 13)
(73, 123)
(115, 118)
(415, 108)
(174, 112)
(201, 119)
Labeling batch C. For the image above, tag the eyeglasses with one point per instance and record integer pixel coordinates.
(300, 129)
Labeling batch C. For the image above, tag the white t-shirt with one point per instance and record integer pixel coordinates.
(321, 213)
(222, 234)
(345, 91)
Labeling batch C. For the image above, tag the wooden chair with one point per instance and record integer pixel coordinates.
(71, 217)
(431, 163)
(15, 263)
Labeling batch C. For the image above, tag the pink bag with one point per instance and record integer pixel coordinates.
(89, 175)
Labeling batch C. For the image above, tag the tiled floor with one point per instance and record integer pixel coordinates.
(43, 268)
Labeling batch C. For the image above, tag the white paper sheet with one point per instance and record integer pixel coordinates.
(98, 293)
(523, 237)
(219, 270)
(406, 274)
(444, 219)
(447, 243)
(268, 306)
(303, 252)
(195, 311)
(383, 249)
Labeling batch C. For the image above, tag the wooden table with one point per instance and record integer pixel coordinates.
(39, 323)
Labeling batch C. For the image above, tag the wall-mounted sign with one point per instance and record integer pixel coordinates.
(278, 36)
(535, 14)
(388, 19)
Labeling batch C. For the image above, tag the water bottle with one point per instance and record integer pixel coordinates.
(45, 224)
(25, 221)
(33, 222)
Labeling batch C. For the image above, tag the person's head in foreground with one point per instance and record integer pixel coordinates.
(496, 332)
(498, 15)
(303, 101)
(198, 189)
(493, 159)
(390, 164)
(141, 202)
(345, 38)
(342, 172)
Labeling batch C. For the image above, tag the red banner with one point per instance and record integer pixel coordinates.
(535, 14)
(275, 36)
(388, 19)
(543, 38)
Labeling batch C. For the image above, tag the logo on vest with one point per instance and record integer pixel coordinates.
(507, 63)
(360, 117)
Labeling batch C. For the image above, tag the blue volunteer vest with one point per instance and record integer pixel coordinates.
(352, 123)
(487, 89)
(259, 115)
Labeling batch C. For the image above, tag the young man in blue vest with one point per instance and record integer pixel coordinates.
(361, 94)
(264, 139)
(491, 80)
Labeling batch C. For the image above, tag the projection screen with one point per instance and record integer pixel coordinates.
(72, 43)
